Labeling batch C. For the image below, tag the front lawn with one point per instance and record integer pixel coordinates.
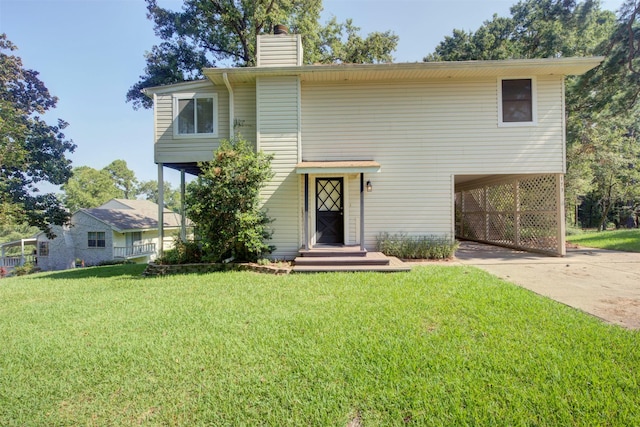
(435, 346)
(619, 240)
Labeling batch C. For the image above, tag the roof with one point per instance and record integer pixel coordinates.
(135, 215)
(411, 71)
(394, 71)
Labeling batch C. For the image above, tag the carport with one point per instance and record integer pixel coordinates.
(524, 212)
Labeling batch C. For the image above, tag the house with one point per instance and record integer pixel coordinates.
(120, 229)
(473, 149)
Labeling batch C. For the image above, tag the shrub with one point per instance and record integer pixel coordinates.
(23, 270)
(183, 252)
(571, 230)
(416, 247)
(224, 202)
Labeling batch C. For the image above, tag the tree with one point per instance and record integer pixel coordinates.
(149, 191)
(123, 178)
(224, 203)
(207, 32)
(536, 29)
(31, 151)
(88, 188)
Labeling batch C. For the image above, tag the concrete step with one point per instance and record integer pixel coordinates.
(393, 265)
(333, 252)
(342, 260)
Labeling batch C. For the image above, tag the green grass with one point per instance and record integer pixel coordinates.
(619, 240)
(436, 346)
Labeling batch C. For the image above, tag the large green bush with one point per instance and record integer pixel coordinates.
(224, 202)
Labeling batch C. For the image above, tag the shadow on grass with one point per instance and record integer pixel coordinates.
(128, 271)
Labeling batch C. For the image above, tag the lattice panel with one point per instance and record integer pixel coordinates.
(522, 213)
(538, 193)
(473, 200)
(500, 198)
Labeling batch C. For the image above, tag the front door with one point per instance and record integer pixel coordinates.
(329, 211)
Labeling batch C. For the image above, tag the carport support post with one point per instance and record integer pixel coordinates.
(516, 213)
(160, 210)
(562, 250)
(306, 211)
(361, 211)
(183, 215)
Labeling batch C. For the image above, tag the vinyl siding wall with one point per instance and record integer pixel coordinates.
(169, 149)
(423, 133)
(245, 112)
(278, 130)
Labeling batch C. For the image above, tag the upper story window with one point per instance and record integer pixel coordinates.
(195, 115)
(517, 102)
(96, 239)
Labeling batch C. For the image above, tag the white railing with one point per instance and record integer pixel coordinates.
(17, 260)
(134, 251)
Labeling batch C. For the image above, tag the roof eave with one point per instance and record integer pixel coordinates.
(460, 69)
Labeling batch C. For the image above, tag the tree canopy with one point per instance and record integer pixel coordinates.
(89, 188)
(603, 108)
(208, 32)
(32, 152)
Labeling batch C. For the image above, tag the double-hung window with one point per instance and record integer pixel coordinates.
(517, 102)
(96, 239)
(43, 248)
(195, 115)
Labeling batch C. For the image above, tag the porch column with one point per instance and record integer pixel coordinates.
(361, 211)
(183, 215)
(562, 250)
(21, 252)
(160, 210)
(306, 211)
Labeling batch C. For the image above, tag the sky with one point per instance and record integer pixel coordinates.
(90, 52)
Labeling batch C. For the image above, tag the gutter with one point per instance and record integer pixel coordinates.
(225, 78)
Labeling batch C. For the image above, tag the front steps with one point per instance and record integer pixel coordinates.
(345, 258)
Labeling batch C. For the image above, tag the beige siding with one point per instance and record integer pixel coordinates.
(278, 133)
(422, 133)
(279, 51)
(245, 112)
(169, 149)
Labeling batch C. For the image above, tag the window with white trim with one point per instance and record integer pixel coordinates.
(517, 102)
(195, 115)
(96, 239)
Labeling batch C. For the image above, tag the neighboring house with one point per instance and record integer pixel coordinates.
(474, 149)
(120, 229)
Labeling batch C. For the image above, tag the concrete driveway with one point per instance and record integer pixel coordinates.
(603, 283)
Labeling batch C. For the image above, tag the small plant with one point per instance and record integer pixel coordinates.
(183, 252)
(23, 270)
(264, 261)
(416, 247)
(3, 272)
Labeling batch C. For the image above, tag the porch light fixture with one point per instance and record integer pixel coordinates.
(369, 187)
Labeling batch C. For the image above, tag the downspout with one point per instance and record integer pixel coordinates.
(225, 78)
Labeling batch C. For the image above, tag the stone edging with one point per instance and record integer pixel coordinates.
(153, 269)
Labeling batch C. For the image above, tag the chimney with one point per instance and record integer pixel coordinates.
(280, 30)
(279, 49)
